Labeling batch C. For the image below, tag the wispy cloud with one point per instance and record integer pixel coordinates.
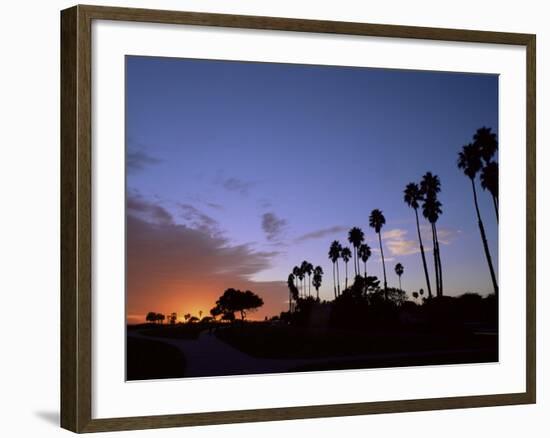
(199, 220)
(318, 234)
(237, 185)
(399, 244)
(273, 226)
(138, 206)
(137, 160)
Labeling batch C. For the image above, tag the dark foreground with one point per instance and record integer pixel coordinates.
(203, 350)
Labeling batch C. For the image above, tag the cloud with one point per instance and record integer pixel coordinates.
(215, 206)
(137, 160)
(137, 206)
(172, 267)
(198, 220)
(318, 234)
(237, 185)
(272, 225)
(398, 243)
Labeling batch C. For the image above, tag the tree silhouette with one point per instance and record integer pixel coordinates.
(469, 160)
(364, 254)
(377, 221)
(151, 317)
(346, 256)
(489, 182)
(296, 273)
(234, 300)
(186, 317)
(302, 276)
(486, 142)
(412, 197)
(172, 318)
(334, 254)
(356, 238)
(317, 279)
(293, 292)
(430, 186)
(399, 271)
(308, 269)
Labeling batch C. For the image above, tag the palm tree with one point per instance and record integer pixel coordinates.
(346, 256)
(296, 273)
(317, 279)
(487, 143)
(302, 276)
(309, 271)
(413, 196)
(377, 221)
(334, 254)
(364, 254)
(469, 160)
(399, 269)
(356, 237)
(430, 186)
(489, 182)
(291, 287)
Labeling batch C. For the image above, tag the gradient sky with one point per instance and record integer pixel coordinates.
(237, 171)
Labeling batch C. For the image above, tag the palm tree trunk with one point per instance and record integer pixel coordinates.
(423, 255)
(289, 302)
(435, 262)
(365, 276)
(485, 244)
(439, 263)
(383, 266)
(346, 276)
(400, 288)
(338, 276)
(334, 277)
(495, 204)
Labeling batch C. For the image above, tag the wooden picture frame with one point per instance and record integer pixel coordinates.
(76, 218)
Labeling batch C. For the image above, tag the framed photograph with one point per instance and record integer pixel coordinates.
(292, 218)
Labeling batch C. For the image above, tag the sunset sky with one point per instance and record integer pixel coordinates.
(238, 171)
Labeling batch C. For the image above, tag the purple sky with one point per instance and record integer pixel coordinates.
(238, 171)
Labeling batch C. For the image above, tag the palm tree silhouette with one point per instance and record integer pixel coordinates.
(346, 256)
(334, 254)
(430, 186)
(291, 287)
(356, 237)
(302, 276)
(487, 143)
(413, 196)
(308, 269)
(317, 279)
(377, 221)
(364, 254)
(469, 160)
(489, 182)
(399, 271)
(296, 273)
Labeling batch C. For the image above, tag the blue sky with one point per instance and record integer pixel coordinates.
(278, 160)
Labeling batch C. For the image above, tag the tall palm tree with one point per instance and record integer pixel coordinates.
(346, 256)
(364, 254)
(469, 160)
(291, 287)
(303, 272)
(487, 143)
(356, 238)
(334, 254)
(413, 196)
(399, 269)
(308, 270)
(377, 221)
(430, 186)
(489, 182)
(296, 273)
(317, 279)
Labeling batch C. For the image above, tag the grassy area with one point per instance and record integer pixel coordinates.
(178, 331)
(147, 359)
(262, 340)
